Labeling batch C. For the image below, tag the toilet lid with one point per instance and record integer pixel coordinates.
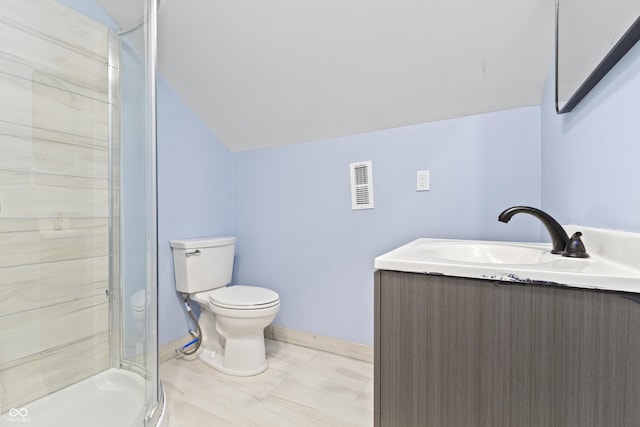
(243, 297)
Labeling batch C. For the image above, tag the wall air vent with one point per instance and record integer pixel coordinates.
(361, 185)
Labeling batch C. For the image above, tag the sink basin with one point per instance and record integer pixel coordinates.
(486, 253)
(613, 264)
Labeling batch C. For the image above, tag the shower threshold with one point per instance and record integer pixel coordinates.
(114, 397)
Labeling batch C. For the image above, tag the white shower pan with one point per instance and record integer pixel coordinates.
(114, 397)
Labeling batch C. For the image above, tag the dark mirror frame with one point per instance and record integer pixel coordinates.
(623, 45)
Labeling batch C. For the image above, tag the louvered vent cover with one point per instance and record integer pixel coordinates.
(361, 185)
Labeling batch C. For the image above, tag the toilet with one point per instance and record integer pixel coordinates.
(232, 318)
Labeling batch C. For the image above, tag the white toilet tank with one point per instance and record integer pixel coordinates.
(203, 264)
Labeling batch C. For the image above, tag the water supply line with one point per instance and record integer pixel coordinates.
(185, 350)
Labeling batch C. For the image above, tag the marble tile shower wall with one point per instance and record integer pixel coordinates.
(54, 195)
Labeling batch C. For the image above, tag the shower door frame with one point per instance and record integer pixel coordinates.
(154, 396)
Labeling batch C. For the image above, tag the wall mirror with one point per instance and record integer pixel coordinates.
(591, 38)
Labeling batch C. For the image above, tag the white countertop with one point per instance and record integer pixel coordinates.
(614, 263)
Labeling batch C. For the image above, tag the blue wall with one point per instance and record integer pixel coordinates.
(291, 206)
(298, 235)
(590, 156)
(194, 196)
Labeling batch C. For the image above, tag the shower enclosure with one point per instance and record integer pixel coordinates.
(78, 246)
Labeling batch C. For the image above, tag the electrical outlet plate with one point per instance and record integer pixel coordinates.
(422, 183)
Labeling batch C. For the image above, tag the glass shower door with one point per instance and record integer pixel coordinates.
(134, 323)
(78, 317)
(135, 208)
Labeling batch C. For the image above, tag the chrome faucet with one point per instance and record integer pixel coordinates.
(559, 237)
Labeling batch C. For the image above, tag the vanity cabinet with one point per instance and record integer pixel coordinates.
(464, 352)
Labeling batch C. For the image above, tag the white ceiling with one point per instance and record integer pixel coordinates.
(268, 73)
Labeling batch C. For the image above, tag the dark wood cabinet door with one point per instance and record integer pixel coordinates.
(464, 352)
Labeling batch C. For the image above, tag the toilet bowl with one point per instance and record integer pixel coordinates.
(232, 318)
(233, 321)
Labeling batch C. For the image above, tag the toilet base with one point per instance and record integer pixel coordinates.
(216, 361)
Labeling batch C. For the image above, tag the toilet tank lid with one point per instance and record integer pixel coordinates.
(202, 242)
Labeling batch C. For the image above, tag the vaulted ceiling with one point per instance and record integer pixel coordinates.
(268, 73)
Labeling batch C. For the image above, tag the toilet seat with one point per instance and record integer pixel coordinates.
(240, 297)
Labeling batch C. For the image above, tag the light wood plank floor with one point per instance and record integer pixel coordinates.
(301, 388)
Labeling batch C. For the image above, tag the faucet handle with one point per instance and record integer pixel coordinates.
(575, 248)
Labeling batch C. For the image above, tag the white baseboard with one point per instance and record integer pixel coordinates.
(292, 336)
(331, 345)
